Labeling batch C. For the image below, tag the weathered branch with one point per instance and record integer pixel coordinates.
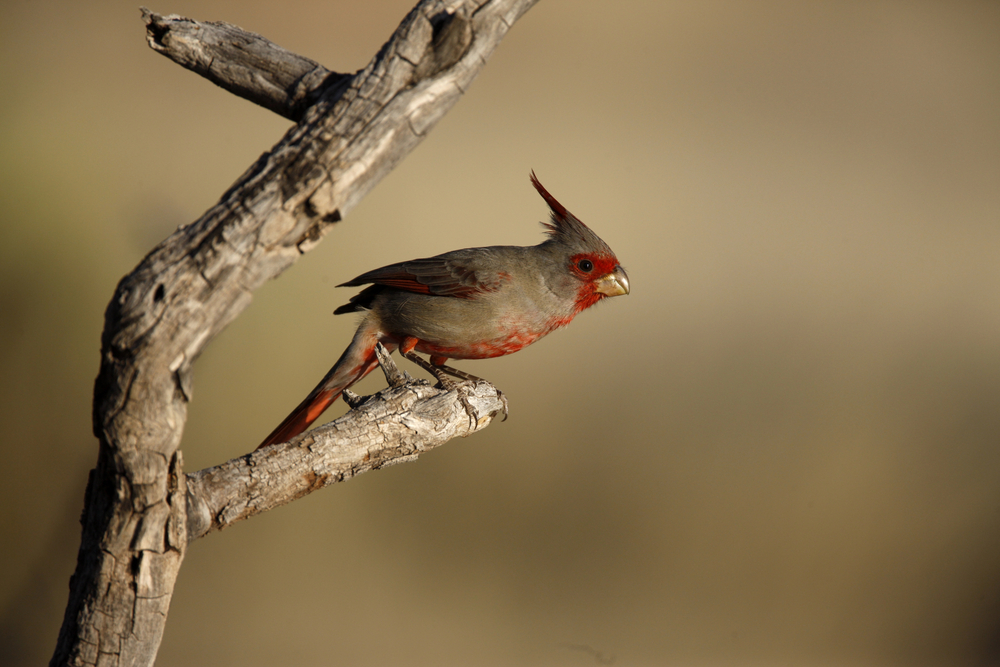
(394, 426)
(135, 521)
(244, 63)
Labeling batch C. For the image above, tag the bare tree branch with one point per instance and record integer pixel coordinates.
(395, 426)
(244, 63)
(135, 520)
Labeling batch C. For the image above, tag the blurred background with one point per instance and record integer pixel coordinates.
(782, 447)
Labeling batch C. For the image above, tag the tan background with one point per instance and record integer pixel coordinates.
(782, 448)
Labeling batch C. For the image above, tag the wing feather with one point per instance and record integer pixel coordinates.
(461, 274)
(451, 274)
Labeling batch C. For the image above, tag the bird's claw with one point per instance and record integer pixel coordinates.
(472, 412)
(503, 401)
(469, 410)
(447, 384)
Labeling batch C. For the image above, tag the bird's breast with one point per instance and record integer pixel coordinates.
(502, 339)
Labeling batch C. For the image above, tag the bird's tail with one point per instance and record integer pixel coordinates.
(357, 361)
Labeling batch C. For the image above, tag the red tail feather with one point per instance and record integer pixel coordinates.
(356, 362)
(305, 414)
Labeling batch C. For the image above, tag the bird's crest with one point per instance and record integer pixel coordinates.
(566, 226)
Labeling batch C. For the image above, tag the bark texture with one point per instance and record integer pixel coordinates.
(394, 426)
(141, 510)
(244, 63)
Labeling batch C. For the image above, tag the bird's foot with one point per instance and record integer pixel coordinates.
(442, 372)
(448, 384)
(503, 401)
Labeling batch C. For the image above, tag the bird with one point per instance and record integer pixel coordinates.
(474, 303)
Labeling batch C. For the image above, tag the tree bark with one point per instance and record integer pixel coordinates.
(244, 63)
(394, 426)
(141, 510)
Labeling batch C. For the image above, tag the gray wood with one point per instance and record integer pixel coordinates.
(136, 521)
(244, 63)
(395, 426)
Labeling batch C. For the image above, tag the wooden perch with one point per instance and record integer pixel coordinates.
(140, 509)
(394, 426)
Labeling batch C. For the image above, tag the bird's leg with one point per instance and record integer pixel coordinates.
(441, 372)
(438, 363)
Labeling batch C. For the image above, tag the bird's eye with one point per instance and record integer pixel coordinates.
(585, 265)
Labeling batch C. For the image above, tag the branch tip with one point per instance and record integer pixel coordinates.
(394, 376)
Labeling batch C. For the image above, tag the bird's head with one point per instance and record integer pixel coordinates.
(595, 270)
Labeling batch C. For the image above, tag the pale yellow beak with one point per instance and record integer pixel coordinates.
(614, 283)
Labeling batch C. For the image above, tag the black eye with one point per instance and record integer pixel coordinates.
(585, 265)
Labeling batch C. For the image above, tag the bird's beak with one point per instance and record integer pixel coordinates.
(614, 283)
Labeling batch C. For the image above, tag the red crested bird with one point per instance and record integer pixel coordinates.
(475, 303)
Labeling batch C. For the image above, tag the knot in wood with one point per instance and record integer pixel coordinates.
(450, 39)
